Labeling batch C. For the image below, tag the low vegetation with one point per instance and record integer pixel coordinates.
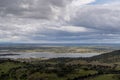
(102, 67)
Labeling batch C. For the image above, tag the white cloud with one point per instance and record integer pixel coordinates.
(58, 20)
(102, 17)
(73, 29)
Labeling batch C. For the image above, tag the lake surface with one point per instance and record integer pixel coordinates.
(45, 55)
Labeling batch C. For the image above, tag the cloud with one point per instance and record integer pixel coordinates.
(102, 17)
(40, 9)
(59, 21)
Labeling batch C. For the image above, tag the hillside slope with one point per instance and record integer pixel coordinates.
(111, 57)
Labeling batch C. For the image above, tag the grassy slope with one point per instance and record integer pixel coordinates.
(6, 66)
(45, 71)
(111, 57)
(104, 77)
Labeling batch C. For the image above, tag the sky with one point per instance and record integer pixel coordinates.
(60, 21)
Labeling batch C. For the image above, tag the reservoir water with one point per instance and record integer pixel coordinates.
(15, 55)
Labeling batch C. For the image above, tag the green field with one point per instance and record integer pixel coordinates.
(107, 77)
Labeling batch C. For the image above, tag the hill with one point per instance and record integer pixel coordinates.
(111, 57)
